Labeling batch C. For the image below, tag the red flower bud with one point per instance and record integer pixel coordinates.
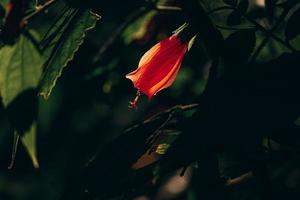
(158, 67)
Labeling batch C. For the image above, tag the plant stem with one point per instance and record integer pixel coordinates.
(38, 10)
(240, 179)
(167, 8)
(14, 149)
(165, 113)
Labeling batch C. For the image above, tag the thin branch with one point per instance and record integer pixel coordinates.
(155, 135)
(14, 149)
(39, 9)
(238, 180)
(163, 113)
(168, 8)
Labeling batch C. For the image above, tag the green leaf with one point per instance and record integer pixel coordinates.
(2, 13)
(191, 42)
(292, 27)
(29, 142)
(20, 68)
(65, 48)
(4, 2)
(234, 18)
(53, 34)
(139, 28)
(230, 2)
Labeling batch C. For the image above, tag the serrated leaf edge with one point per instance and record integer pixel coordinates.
(46, 95)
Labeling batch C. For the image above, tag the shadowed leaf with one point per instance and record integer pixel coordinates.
(238, 48)
(270, 6)
(292, 27)
(65, 48)
(230, 2)
(234, 18)
(243, 5)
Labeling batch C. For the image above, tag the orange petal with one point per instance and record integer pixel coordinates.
(159, 66)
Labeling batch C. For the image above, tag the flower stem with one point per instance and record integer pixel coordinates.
(133, 104)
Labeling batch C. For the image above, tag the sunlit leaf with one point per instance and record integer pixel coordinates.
(29, 141)
(20, 68)
(191, 42)
(162, 148)
(4, 2)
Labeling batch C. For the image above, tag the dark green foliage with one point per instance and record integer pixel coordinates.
(292, 27)
(22, 111)
(270, 6)
(231, 2)
(235, 17)
(237, 49)
(2, 12)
